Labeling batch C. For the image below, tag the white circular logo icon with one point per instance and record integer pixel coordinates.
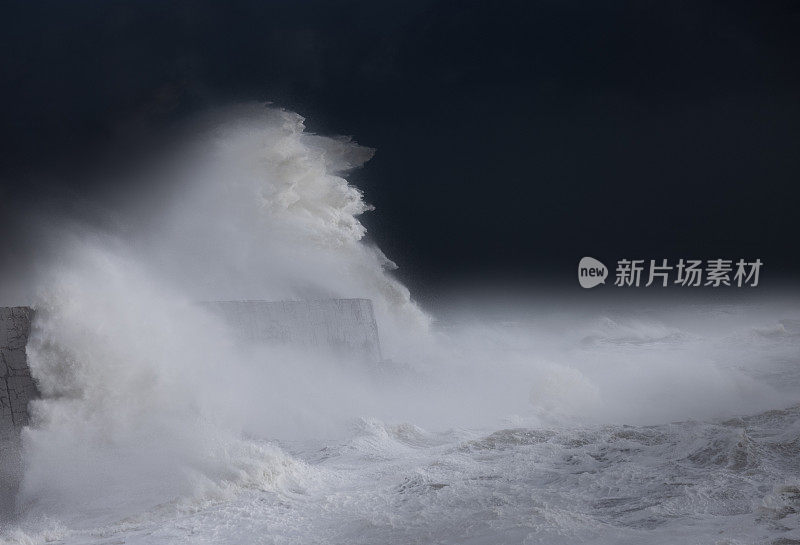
(591, 272)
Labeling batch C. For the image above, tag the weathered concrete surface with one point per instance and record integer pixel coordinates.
(10, 474)
(16, 389)
(343, 327)
(16, 385)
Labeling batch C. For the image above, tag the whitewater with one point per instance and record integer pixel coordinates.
(535, 420)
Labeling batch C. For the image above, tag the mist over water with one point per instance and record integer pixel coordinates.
(152, 410)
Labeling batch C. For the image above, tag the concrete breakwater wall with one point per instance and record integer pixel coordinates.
(16, 385)
(345, 328)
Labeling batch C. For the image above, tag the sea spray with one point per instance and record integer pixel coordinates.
(260, 210)
(148, 400)
(145, 395)
(136, 401)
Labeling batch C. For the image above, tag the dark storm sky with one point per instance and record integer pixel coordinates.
(513, 137)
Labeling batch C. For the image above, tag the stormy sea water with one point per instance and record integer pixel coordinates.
(547, 420)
